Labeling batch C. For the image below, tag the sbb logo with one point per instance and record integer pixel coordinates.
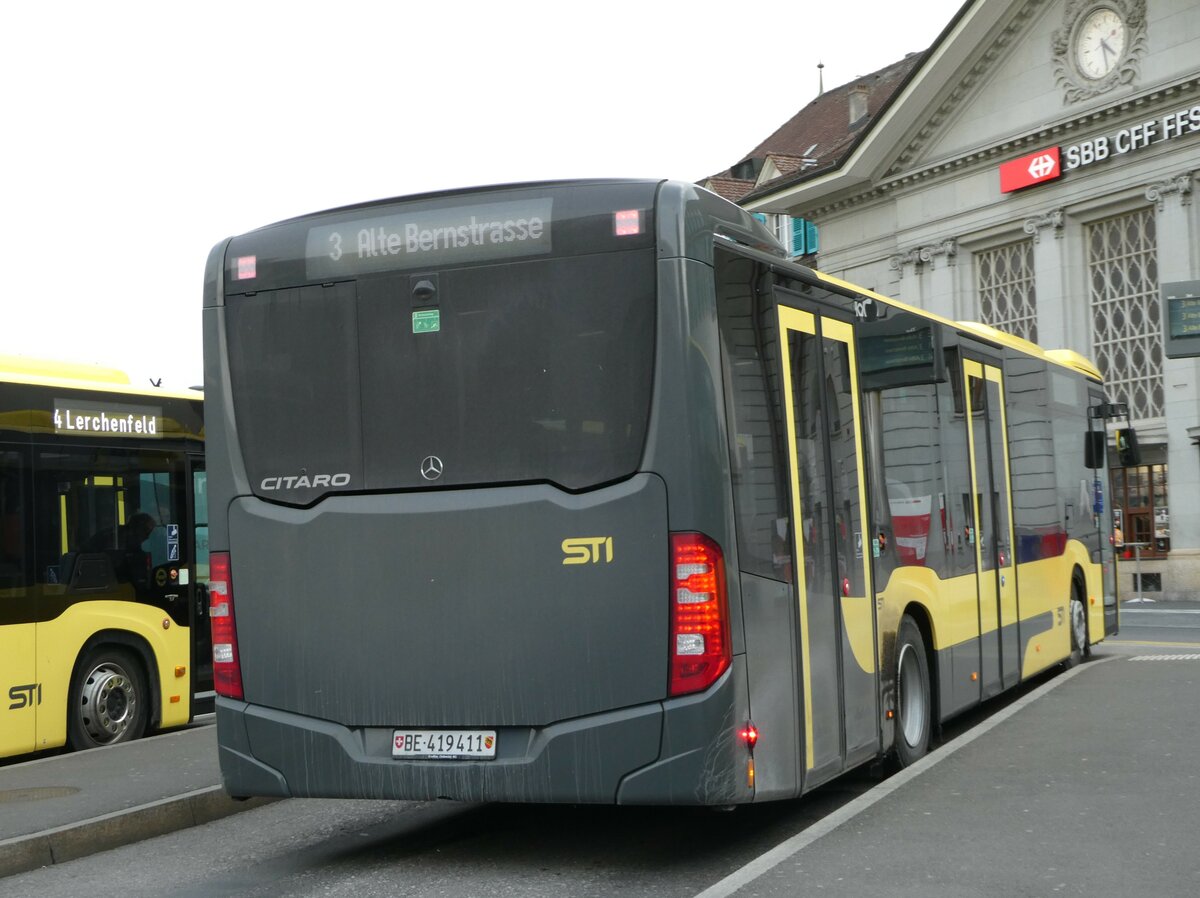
(1036, 168)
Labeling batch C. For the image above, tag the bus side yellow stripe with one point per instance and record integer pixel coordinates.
(794, 319)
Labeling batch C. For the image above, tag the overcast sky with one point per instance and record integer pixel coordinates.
(137, 134)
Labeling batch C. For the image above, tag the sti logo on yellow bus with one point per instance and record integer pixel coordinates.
(23, 696)
(586, 549)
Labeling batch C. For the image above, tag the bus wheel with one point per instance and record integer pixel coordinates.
(108, 700)
(914, 713)
(1080, 648)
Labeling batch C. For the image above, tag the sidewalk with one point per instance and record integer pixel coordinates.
(1085, 786)
(67, 806)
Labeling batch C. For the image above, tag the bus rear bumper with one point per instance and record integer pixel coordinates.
(650, 754)
(268, 752)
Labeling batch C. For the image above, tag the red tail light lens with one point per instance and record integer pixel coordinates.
(227, 667)
(700, 650)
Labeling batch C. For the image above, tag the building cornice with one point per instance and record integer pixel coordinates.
(1160, 190)
(1081, 123)
(1053, 219)
(921, 256)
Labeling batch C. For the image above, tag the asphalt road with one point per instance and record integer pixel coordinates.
(1160, 624)
(1110, 819)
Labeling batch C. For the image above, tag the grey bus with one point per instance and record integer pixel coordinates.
(583, 492)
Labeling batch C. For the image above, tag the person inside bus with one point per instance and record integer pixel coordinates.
(136, 558)
(131, 561)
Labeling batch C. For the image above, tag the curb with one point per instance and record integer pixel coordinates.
(76, 840)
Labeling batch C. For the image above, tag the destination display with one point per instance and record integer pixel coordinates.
(886, 352)
(80, 417)
(429, 238)
(1184, 314)
(1181, 319)
(895, 353)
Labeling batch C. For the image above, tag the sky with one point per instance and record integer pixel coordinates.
(137, 135)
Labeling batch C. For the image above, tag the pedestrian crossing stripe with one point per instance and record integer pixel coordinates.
(1192, 657)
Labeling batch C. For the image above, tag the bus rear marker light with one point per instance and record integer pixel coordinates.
(627, 223)
(749, 734)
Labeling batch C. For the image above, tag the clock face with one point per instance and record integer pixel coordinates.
(1099, 43)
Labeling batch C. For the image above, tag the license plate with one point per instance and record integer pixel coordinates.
(444, 744)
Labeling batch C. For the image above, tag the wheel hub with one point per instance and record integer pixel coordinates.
(108, 703)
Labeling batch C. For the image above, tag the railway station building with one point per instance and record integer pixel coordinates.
(1034, 170)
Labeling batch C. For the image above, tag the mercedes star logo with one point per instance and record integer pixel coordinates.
(432, 467)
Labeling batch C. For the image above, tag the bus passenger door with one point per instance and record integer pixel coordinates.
(837, 644)
(990, 527)
(203, 696)
(22, 693)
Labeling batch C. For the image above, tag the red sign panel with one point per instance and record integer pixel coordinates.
(1038, 166)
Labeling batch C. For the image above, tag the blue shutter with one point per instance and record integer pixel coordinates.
(798, 236)
(804, 237)
(760, 216)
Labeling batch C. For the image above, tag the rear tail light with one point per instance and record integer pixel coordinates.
(227, 666)
(700, 650)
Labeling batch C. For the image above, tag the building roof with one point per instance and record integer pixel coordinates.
(732, 189)
(819, 136)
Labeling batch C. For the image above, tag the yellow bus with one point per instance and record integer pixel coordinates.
(103, 557)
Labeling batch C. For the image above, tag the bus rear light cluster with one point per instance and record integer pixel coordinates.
(700, 650)
(227, 667)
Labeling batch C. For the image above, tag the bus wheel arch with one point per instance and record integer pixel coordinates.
(915, 687)
(113, 670)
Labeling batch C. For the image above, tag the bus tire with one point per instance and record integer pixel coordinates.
(1080, 647)
(914, 707)
(108, 701)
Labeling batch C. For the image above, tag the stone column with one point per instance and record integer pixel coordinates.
(925, 277)
(1181, 392)
(1055, 316)
(938, 260)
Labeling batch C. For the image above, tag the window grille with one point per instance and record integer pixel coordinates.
(1126, 319)
(1006, 289)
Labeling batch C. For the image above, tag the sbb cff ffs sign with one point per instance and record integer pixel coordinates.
(1036, 168)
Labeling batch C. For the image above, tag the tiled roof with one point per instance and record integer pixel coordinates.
(788, 164)
(821, 134)
(733, 189)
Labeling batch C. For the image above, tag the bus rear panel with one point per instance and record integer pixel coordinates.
(445, 432)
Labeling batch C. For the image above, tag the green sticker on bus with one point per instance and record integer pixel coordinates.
(428, 322)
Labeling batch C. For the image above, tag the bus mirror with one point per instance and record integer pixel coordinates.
(1128, 453)
(1093, 449)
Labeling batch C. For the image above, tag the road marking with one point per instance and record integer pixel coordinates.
(1193, 657)
(1161, 645)
(1125, 611)
(764, 863)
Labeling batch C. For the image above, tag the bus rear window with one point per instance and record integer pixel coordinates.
(539, 371)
